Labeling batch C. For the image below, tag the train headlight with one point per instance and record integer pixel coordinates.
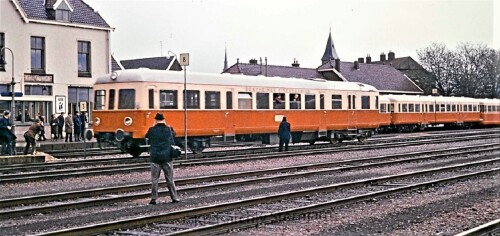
(114, 75)
(97, 121)
(127, 121)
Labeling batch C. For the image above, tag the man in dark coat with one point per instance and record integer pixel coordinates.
(60, 125)
(77, 126)
(284, 134)
(84, 120)
(6, 136)
(160, 139)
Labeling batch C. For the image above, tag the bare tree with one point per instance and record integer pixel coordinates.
(439, 61)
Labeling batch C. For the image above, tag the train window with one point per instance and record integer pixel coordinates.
(365, 102)
(262, 100)
(212, 100)
(279, 101)
(490, 108)
(349, 105)
(336, 101)
(126, 99)
(100, 97)
(481, 108)
(151, 97)
(411, 107)
(322, 101)
(448, 107)
(168, 99)
(111, 99)
(193, 99)
(431, 108)
(353, 101)
(391, 107)
(453, 107)
(310, 101)
(244, 100)
(417, 107)
(465, 108)
(383, 108)
(295, 101)
(405, 108)
(442, 108)
(376, 102)
(229, 100)
(470, 107)
(474, 107)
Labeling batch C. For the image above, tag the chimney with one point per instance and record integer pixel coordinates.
(260, 62)
(356, 65)
(368, 59)
(237, 61)
(337, 65)
(361, 60)
(295, 63)
(265, 58)
(253, 61)
(382, 56)
(391, 55)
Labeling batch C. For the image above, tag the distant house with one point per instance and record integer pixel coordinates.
(387, 79)
(423, 78)
(154, 63)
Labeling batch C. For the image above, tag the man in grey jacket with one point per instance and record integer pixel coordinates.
(160, 140)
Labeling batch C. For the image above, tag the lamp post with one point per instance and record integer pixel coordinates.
(13, 101)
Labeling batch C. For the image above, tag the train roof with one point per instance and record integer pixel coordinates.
(159, 76)
(440, 99)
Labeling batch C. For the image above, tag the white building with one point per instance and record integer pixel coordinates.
(59, 47)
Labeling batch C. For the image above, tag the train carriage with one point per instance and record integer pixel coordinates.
(490, 111)
(232, 106)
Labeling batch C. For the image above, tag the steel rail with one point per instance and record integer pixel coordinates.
(486, 229)
(143, 220)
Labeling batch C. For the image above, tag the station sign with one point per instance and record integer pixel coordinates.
(184, 59)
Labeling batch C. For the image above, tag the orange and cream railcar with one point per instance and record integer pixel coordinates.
(231, 106)
(417, 112)
(490, 111)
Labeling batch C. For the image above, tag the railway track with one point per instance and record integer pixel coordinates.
(383, 138)
(48, 171)
(222, 217)
(30, 205)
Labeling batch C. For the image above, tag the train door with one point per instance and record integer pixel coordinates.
(229, 131)
(351, 111)
(323, 116)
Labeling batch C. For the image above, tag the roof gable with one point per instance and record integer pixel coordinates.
(154, 63)
(273, 71)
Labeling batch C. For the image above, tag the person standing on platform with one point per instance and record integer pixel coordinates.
(284, 134)
(60, 125)
(41, 137)
(85, 121)
(6, 136)
(54, 127)
(30, 135)
(161, 139)
(68, 122)
(77, 123)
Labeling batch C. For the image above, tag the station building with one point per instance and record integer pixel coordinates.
(59, 48)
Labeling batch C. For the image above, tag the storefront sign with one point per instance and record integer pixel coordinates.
(39, 78)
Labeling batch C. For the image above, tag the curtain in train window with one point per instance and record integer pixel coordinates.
(310, 101)
(212, 100)
(262, 100)
(244, 100)
(193, 99)
(336, 101)
(168, 99)
(100, 97)
(126, 99)
(365, 102)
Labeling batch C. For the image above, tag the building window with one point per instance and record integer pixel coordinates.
(62, 15)
(126, 99)
(38, 55)
(84, 59)
(193, 99)
(212, 100)
(44, 90)
(2, 53)
(336, 101)
(168, 99)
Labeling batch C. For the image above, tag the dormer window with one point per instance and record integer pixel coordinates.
(62, 15)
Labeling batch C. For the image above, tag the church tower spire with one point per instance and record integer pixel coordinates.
(225, 59)
(330, 52)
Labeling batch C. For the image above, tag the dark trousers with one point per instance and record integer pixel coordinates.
(29, 142)
(41, 136)
(59, 131)
(70, 136)
(77, 136)
(7, 147)
(284, 141)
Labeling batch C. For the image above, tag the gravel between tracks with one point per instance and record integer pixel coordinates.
(43, 187)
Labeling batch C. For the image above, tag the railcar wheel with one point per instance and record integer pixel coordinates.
(361, 139)
(131, 147)
(196, 146)
(312, 142)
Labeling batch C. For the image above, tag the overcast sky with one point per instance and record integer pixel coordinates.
(282, 30)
